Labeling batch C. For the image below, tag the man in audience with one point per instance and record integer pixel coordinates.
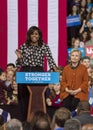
(86, 62)
(87, 127)
(42, 123)
(72, 124)
(83, 113)
(13, 124)
(60, 116)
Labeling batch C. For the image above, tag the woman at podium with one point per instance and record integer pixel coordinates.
(30, 58)
(31, 53)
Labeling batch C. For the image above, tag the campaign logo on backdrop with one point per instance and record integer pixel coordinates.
(89, 50)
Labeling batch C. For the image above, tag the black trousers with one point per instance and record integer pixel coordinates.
(23, 93)
(71, 102)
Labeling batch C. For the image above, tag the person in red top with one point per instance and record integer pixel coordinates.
(4, 89)
(53, 99)
(74, 84)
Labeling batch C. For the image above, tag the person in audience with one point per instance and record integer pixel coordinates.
(86, 62)
(90, 42)
(87, 126)
(86, 26)
(83, 38)
(42, 124)
(74, 10)
(76, 43)
(48, 91)
(39, 114)
(73, 30)
(3, 76)
(4, 89)
(83, 3)
(51, 95)
(10, 66)
(60, 116)
(40, 121)
(89, 5)
(83, 10)
(14, 95)
(9, 77)
(52, 99)
(14, 124)
(83, 113)
(72, 124)
(74, 84)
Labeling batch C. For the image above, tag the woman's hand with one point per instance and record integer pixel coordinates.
(73, 92)
(18, 53)
(69, 91)
(76, 91)
(55, 69)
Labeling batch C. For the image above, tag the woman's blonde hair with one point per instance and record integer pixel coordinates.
(75, 50)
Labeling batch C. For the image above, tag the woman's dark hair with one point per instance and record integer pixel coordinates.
(30, 31)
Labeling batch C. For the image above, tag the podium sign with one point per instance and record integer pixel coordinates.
(37, 77)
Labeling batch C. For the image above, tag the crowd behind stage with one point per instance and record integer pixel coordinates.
(57, 115)
(80, 33)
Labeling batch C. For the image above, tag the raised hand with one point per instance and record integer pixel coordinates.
(18, 53)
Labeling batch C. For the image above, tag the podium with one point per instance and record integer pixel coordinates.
(36, 85)
(36, 100)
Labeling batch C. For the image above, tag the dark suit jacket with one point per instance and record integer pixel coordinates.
(85, 118)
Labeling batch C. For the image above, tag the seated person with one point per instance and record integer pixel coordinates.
(14, 97)
(60, 116)
(52, 98)
(74, 84)
(86, 62)
(3, 89)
